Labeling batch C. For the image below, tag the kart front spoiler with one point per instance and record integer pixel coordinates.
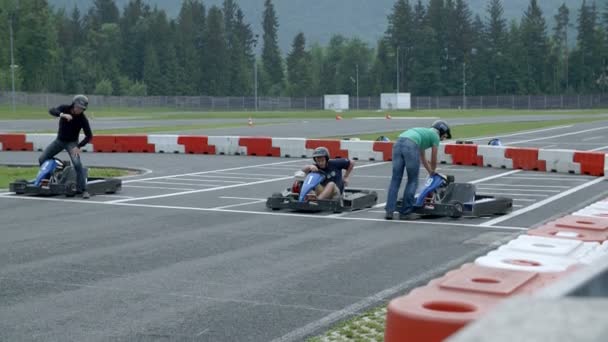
(352, 199)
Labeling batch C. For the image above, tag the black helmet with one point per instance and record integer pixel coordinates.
(320, 152)
(80, 101)
(383, 138)
(443, 128)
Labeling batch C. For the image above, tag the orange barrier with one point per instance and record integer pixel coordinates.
(105, 143)
(333, 146)
(436, 311)
(592, 163)
(583, 228)
(464, 154)
(259, 146)
(196, 144)
(134, 144)
(386, 148)
(15, 142)
(526, 159)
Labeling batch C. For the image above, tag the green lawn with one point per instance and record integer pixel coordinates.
(34, 112)
(9, 174)
(479, 130)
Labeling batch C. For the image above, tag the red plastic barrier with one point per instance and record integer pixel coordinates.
(386, 148)
(464, 154)
(259, 146)
(196, 144)
(436, 311)
(105, 143)
(583, 228)
(15, 142)
(332, 145)
(592, 163)
(526, 159)
(134, 144)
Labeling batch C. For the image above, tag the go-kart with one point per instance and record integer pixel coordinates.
(441, 196)
(57, 177)
(300, 196)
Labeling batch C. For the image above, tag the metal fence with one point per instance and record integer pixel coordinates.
(242, 103)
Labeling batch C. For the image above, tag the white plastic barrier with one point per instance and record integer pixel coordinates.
(564, 248)
(442, 157)
(494, 156)
(292, 147)
(520, 261)
(559, 161)
(40, 141)
(166, 143)
(361, 150)
(227, 145)
(591, 212)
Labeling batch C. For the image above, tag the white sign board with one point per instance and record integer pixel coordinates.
(336, 102)
(395, 101)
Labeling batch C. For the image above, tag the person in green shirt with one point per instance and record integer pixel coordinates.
(408, 154)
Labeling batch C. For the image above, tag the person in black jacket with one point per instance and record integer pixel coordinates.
(71, 121)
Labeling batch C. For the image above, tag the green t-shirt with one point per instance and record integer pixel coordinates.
(423, 137)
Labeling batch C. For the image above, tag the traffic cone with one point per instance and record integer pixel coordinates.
(338, 117)
(388, 116)
(250, 122)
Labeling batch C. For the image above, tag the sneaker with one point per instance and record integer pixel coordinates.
(410, 216)
(86, 195)
(388, 216)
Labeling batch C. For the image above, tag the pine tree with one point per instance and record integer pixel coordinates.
(271, 56)
(299, 68)
(534, 35)
(189, 45)
(560, 45)
(215, 65)
(496, 45)
(400, 34)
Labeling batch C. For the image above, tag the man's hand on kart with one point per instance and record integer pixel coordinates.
(313, 168)
(65, 116)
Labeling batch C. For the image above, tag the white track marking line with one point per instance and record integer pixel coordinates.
(572, 179)
(202, 190)
(548, 146)
(525, 200)
(558, 136)
(178, 183)
(516, 189)
(207, 180)
(599, 148)
(263, 213)
(529, 186)
(153, 187)
(510, 194)
(212, 171)
(542, 203)
(592, 138)
(114, 196)
(222, 187)
(239, 204)
(244, 198)
(522, 133)
(221, 176)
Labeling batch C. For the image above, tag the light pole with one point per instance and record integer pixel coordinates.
(464, 85)
(13, 66)
(255, 72)
(357, 86)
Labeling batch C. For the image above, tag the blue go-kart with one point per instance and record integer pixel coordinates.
(441, 196)
(57, 177)
(301, 196)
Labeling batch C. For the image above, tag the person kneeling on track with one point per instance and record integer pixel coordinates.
(333, 184)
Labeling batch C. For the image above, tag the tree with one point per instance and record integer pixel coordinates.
(587, 58)
(535, 42)
(299, 68)
(333, 58)
(560, 46)
(496, 45)
(401, 37)
(189, 44)
(271, 56)
(215, 68)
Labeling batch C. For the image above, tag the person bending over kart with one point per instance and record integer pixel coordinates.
(71, 121)
(409, 153)
(333, 185)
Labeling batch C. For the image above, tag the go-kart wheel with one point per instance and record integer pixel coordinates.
(277, 195)
(458, 209)
(450, 178)
(70, 189)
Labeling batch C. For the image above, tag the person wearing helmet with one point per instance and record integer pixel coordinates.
(335, 180)
(408, 154)
(71, 121)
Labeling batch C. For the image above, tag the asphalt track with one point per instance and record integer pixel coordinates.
(188, 252)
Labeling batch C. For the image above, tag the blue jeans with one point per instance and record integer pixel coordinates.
(406, 155)
(57, 146)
